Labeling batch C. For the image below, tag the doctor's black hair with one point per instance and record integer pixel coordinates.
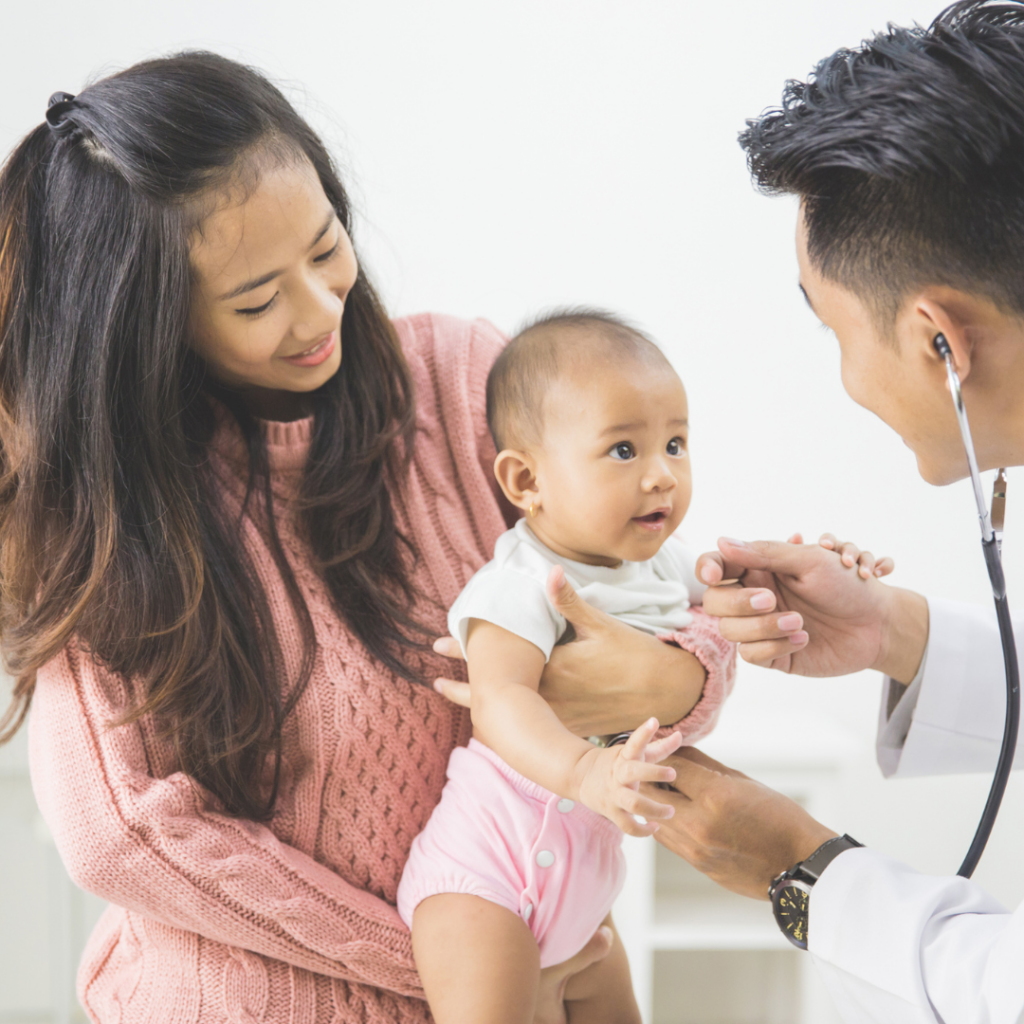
(908, 154)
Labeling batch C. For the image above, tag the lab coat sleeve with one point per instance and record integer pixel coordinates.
(950, 719)
(897, 947)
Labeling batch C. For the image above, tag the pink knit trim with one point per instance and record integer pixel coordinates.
(290, 434)
(718, 656)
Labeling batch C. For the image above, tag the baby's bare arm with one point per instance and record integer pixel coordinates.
(511, 717)
(514, 721)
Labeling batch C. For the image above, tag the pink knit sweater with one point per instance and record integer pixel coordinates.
(217, 919)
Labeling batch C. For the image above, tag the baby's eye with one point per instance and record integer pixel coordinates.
(677, 446)
(623, 451)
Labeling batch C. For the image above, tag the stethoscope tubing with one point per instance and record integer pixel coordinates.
(990, 545)
(1012, 722)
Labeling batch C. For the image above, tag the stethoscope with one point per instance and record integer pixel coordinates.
(991, 544)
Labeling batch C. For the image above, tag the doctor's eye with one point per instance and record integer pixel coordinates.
(623, 451)
(677, 446)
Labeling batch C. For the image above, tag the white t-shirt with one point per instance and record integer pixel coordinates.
(509, 590)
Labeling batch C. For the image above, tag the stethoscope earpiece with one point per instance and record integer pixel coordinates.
(942, 346)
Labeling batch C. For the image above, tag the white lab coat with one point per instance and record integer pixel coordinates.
(892, 945)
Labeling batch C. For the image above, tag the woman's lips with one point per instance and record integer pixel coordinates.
(316, 355)
(653, 521)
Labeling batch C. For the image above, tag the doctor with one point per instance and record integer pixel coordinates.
(908, 158)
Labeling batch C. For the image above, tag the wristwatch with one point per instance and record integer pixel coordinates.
(790, 892)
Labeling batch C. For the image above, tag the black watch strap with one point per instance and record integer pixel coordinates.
(790, 892)
(810, 870)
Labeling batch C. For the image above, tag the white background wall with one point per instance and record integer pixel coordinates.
(507, 157)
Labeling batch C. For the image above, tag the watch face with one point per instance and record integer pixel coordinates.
(790, 906)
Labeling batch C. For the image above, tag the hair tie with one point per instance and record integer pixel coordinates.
(56, 113)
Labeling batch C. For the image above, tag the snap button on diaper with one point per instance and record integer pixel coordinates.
(527, 911)
(545, 858)
(565, 805)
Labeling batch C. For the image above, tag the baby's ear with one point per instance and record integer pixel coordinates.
(516, 475)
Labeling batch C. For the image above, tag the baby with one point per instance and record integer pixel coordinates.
(521, 860)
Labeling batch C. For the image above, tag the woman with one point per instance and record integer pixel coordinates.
(224, 550)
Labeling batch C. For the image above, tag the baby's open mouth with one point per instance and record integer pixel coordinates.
(652, 517)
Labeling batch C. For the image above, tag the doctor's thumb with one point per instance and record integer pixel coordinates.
(768, 555)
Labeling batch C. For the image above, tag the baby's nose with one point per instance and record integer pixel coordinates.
(660, 478)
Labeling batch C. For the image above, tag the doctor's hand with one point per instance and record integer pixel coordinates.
(738, 832)
(610, 679)
(811, 609)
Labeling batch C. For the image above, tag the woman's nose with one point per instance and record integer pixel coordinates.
(317, 311)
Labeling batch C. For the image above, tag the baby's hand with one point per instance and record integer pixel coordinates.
(613, 775)
(851, 555)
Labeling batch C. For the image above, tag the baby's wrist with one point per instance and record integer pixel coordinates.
(587, 776)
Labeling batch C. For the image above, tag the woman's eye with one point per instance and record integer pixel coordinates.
(257, 310)
(677, 446)
(623, 451)
(325, 256)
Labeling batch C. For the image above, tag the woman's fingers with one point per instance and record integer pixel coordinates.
(761, 627)
(596, 949)
(457, 692)
(766, 652)
(449, 647)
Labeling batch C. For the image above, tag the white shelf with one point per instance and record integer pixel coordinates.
(670, 914)
(709, 923)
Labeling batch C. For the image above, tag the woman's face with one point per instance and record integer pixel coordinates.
(272, 274)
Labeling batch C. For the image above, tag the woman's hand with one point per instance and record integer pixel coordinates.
(553, 980)
(610, 679)
(814, 609)
(738, 832)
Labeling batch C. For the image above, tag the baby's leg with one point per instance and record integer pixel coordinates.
(603, 993)
(478, 961)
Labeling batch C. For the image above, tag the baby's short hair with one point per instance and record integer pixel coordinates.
(544, 349)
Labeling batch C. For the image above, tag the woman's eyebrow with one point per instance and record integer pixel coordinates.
(258, 282)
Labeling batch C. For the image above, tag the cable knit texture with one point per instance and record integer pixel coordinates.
(216, 919)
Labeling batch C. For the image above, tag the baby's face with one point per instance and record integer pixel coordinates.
(613, 471)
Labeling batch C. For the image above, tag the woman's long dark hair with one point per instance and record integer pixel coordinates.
(112, 531)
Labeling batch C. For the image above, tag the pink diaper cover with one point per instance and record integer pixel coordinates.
(497, 835)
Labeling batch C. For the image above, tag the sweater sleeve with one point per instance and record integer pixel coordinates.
(718, 656)
(152, 846)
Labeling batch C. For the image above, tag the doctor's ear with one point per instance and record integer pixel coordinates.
(516, 473)
(940, 326)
